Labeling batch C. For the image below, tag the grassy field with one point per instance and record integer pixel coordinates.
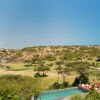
(20, 69)
(50, 56)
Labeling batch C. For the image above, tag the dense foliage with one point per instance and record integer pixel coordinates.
(82, 79)
(14, 87)
(56, 85)
(92, 95)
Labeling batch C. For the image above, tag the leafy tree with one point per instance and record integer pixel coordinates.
(42, 68)
(35, 59)
(8, 94)
(62, 70)
(13, 87)
(83, 78)
(59, 68)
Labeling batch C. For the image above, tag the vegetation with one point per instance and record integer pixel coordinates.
(41, 68)
(62, 70)
(57, 67)
(56, 85)
(83, 78)
(92, 95)
(15, 87)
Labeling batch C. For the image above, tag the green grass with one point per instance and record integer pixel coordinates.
(95, 74)
(18, 66)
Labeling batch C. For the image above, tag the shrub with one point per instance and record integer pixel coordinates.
(76, 97)
(92, 95)
(13, 87)
(39, 75)
(56, 85)
(8, 94)
(76, 82)
(51, 64)
(65, 84)
(50, 58)
(84, 78)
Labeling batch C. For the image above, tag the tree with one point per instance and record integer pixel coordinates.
(76, 81)
(42, 68)
(59, 68)
(83, 67)
(8, 94)
(84, 78)
(62, 70)
(35, 59)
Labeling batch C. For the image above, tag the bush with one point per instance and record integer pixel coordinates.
(8, 94)
(65, 84)
(92, 95)
(39, 75)
(76, 82)
(76, 97)
(84, 78)
(51, 64)
(13, 87)
(50, 58)
(56, 85)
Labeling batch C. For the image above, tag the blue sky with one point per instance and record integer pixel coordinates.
(25, 23)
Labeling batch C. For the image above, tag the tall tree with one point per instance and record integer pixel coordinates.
(62, 70)
(58, 68)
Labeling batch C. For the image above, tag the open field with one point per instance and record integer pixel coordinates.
(18, 59)
(20, 69)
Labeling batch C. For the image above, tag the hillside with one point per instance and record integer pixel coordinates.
(52, 64)
(26, 61)
(68, 53)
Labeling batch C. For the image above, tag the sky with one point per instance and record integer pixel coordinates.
(25, 23)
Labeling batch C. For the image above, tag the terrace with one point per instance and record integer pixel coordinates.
(88, 87)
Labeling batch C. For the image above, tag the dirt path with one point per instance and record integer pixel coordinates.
(24, 73)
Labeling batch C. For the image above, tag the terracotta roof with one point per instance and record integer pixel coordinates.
(59, 99)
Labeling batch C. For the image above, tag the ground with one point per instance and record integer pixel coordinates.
(20, 69)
